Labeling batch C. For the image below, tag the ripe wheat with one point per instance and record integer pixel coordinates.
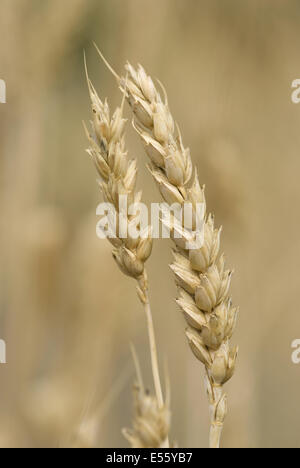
(118, 178)
(203, 282)
(151, 423)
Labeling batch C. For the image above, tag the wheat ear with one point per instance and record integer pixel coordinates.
(118, 177)
(203, 282)
(151, 422)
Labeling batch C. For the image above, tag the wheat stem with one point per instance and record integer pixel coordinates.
(153, 347)
(215, 436)
(216, 427)
(144, 296)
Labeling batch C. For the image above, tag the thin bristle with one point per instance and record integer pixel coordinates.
(89, 83)
(110, 68)
(137, 367)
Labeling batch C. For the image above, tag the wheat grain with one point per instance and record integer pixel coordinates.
(118, 178)
(203, 282)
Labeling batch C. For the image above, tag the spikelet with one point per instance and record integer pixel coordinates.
(151, 422)
(200, 273)
(118, 178)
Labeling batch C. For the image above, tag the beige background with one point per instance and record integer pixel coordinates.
(66, 312)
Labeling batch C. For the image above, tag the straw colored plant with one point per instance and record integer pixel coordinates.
(118, 178)
(150, 423)
(202, 279)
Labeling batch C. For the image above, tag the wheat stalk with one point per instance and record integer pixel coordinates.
(203, 282)
(118, 178)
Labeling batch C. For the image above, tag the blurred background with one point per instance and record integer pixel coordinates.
(66, 313)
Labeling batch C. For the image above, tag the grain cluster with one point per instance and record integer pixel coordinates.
(201, 276)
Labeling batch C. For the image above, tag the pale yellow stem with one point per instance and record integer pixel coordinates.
(215, 435)
(216, 426)
(153, 352)
(143, 283)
